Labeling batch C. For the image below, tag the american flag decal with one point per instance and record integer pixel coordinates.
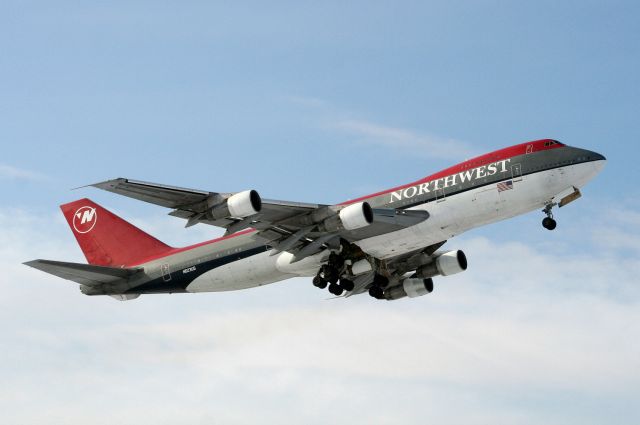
(508, 185)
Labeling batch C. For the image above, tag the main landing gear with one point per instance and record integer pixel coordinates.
(377, 289)
(330, 275)
(548, 222)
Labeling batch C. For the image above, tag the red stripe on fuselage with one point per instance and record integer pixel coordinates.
(499, 155)
(190, 247)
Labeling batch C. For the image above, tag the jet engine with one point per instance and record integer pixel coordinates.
(356, 216)
(352, 217)
(410, 287)
(239, 205)
(446, 264)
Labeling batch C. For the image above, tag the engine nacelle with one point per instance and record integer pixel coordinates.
(239, 205)
(244, 204)
(352, 217)
(410, 287)
(446, 264)
(356, 216)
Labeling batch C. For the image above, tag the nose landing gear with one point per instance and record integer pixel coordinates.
(548, 222)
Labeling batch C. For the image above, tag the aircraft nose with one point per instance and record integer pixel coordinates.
(587, 155)
(597, 160)
(596, 156)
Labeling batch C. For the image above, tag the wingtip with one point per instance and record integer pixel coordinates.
(80, 187)
(102, 185)
(108, 183)
(33, 263)
(105, 184)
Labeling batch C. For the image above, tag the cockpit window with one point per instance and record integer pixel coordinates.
(551, 143)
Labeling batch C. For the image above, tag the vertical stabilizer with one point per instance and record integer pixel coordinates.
(108, 240)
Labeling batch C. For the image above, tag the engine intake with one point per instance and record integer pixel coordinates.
(410, 287)
(244, 204)
(356, 216)
(352, 217)
(446, 264)
(239, 205)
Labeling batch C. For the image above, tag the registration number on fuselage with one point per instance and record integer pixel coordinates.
(189, 269)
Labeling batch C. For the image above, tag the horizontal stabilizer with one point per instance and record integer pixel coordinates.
(85, 274)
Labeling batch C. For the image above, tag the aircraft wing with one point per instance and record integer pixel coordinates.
(296, 227)
(192, 204)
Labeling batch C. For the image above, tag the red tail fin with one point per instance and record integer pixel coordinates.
(106, 239)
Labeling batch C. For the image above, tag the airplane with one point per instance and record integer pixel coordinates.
(387, 244)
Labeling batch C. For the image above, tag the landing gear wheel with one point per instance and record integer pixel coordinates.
(335, 289)
(381, 281)
(376, 292)
(330, 274)
(319, 282)
(347, 285)
(549, 223)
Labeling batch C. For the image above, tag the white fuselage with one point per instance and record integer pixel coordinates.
(449, 216)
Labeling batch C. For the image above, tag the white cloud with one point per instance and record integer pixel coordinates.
(622, 239)
(398, 140)
(407, 141)
(14, 173)
(526, 335)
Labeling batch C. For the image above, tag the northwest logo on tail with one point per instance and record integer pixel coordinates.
(84, 219)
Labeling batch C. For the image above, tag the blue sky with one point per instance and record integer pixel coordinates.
(321, 103)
